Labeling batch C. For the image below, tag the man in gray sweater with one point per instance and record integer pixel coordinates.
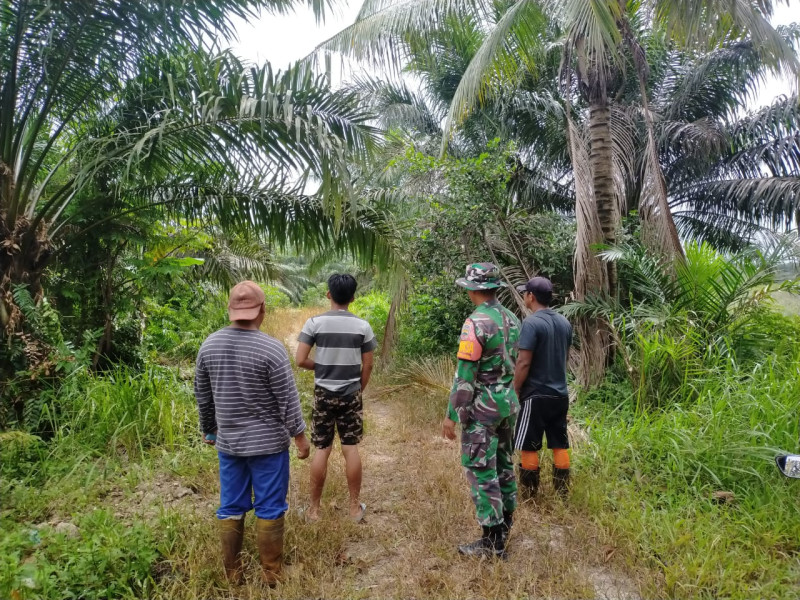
(249, 408)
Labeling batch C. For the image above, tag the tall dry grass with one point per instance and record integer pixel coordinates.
(284, 324)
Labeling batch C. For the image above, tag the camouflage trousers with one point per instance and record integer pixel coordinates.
(336, 412)
(487, 453)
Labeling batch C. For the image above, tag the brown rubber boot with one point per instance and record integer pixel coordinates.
(269, 537)
(231, 533)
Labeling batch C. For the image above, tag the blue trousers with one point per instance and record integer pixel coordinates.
(265, 477)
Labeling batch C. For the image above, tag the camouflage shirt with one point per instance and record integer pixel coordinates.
(483, 387)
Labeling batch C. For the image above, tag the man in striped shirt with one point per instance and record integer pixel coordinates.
(342, 366)
(249, 408)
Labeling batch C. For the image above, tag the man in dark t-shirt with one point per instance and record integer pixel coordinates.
(540, 378)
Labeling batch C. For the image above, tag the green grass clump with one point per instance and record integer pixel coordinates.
(105, 559)
(652, 477)
(127, 412)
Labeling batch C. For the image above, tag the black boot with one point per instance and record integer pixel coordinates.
(529, 482)
(490, 544)
(561, 481)
(508, 521)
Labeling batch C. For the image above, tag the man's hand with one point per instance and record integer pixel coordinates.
(302, 445)
(366, 368)
(448, 429)
(210, 439)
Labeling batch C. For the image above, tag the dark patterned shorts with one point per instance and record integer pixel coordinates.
(344, 413)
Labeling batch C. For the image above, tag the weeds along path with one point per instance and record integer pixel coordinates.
(418, 510)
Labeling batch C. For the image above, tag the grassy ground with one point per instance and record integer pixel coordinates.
(120, 502)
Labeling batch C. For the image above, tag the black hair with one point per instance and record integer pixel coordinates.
(543, 298)
(342, 288)
(490, 293)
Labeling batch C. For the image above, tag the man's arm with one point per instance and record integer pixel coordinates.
(301, 358)
(281, 382)
(305, 340)
(522, 368)
(462, 394)
(204, 395)
(367, 354)
(367, 359)
(527, 343)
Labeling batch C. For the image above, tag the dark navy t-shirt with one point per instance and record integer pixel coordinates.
(548, 335)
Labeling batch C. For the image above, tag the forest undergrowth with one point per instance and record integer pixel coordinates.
(119, 502)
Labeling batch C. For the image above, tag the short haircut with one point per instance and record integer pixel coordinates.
(342, 287)
(543, 298)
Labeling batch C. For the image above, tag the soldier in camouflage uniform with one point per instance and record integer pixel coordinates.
(483, 400)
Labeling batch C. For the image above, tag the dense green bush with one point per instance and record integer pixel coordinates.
(472, 217)
(20, 454)
(315, 295)
(177, 327)
(275, 297)
(678, 323)
(650, 475)
(431, 324)
(33, 366)
(374, 307)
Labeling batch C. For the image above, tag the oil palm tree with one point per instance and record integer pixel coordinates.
(97, 112)
(599, 45)
(112, 117)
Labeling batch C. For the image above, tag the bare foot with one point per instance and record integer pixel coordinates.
(312, 514)
(357, 512)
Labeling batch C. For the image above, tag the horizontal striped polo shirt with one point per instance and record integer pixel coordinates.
(341, 338)
(246, 392)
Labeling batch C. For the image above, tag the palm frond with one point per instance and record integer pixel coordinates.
(495, 59)
(396, 106)
(377, 34)
(64, 61)
(723, 231)
(254, 127)
(765, 200)
(698, 23)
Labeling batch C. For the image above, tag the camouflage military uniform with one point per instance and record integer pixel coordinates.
(483, 400)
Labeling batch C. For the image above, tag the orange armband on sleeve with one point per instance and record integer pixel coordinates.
(469, 348)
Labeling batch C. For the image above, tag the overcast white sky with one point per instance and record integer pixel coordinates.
(285, 39)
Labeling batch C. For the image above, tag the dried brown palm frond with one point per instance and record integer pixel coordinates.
(658, 227)
(576, 435)
(623, 139)
(434, 374)
(590, 273)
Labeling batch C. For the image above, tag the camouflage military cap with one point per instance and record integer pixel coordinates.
(481, 276)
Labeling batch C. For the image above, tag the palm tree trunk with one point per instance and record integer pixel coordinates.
(591, 274)
(601, 158)
(389, 332)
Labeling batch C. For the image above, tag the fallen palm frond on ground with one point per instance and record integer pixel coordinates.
(432, 374)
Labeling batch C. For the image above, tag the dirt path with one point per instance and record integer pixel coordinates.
(419, 510)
